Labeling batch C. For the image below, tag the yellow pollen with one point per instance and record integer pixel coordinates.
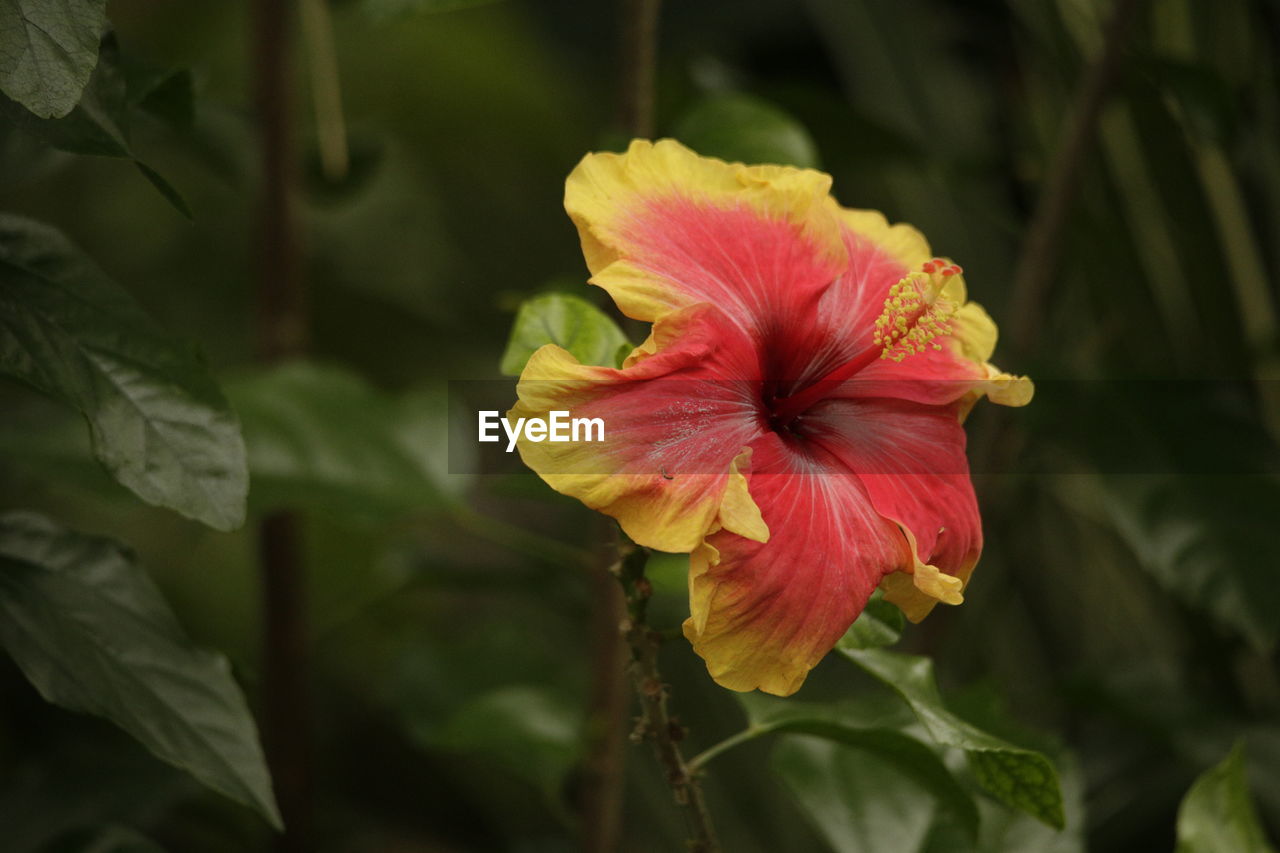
(914, 316)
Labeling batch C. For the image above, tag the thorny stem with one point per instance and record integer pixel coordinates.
(656, 724)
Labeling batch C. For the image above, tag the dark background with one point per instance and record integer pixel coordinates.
(1126, 622)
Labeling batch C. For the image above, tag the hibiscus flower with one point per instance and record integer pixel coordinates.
(793, 421)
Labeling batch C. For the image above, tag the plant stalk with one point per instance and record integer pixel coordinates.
(1037, 264)
(639, 63)
(656, 723)
(281, 334)
(605, 763)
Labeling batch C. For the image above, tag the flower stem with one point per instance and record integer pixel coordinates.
(326, 91)
(639, 59)
(608, 705)
(1039, 258)
(656, 723)
(700, 760)
(282, 334)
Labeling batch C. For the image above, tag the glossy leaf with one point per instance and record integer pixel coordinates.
(860, 801)
(321, 437)
(48, 49)
(157, 419)
(1217, 814)
(745, 129)
(93, 634)
(567, 321)
(1004, 830)
(871, 731)
(1020, 778)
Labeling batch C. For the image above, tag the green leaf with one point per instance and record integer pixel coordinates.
(1008, 831)
(93, 634)
(99, 124)
(880, 624)
(321, 437)
(528, 729)
(383, 10)
(165, 189)
(158, 421)
(1217, 814)
(1020, 778)
(568, 321)
(165, 93)
(872, 731)
(114, 782)
(1197, 536)
(861, 802)
(48, 49)
(745, 129)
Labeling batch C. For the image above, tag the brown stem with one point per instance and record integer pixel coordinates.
(656, 723)
(1038, 261)
(639, 60)
(605, 765)
(281, 335)
(286, 715)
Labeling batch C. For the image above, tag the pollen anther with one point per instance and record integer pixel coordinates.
(914, 315)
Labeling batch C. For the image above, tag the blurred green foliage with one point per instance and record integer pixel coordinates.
(1127, 620)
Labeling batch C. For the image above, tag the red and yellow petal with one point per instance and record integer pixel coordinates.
(954, 366)
(673, 463)
(764, 614)
(663, 228)
(910, 457)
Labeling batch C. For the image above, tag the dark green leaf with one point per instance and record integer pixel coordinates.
(165, 189)
(1020, 778)
(321, 437)
(1199, 537)
(99, 124)
(1008, 831)
(158, 421)
(741, 128)
(165, 93)
(85, 777)
(528, 729)
(880, 624)
(48, 49)
(93, 634)
(568, 321)
(1217, 814)
(872, 731)
(861, 802)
